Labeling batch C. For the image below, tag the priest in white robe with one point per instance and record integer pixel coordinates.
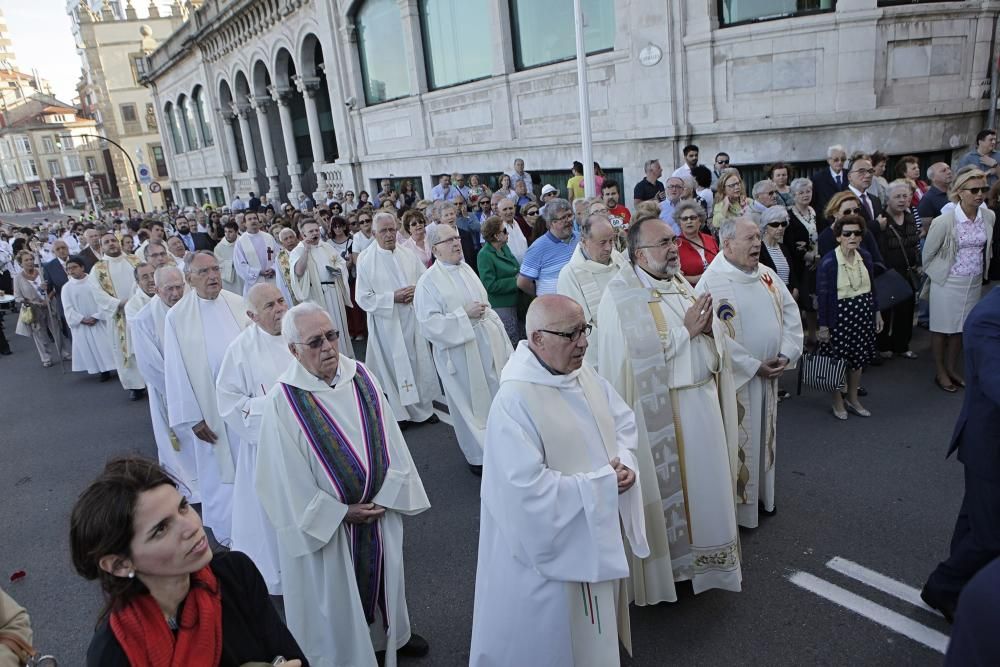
(174, 449)
(114, 273)
(224, 251)
(145, 289)
(559, 490)
(469, 343)
(336, 478)
(397, 353)
(197, 332)
(250, 368)
(287, 241)
(319, 274)
(764, 326)
(86, 311)
(666, 355)
(254, 255)
(593, 264)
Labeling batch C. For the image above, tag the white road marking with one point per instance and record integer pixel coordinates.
(872, 611)
(445, 417)
(896, 589)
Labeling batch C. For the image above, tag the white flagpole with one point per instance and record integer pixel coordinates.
(581, 75)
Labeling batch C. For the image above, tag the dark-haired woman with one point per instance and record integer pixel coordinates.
(170, 600)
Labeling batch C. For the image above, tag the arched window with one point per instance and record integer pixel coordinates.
(384, 65)
(445, 27)
(544, 33)
(200, 102)
(187, 123)
(175, 135)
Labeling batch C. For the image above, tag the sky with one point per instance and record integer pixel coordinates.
(43, 39)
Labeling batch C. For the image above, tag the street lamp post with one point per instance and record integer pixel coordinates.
(581, 83)
(90, 186)
(135, 174)
(55, 188)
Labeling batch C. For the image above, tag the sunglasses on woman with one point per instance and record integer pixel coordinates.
(977, 191)
(852, 211)
(853, 232)
(782, 223)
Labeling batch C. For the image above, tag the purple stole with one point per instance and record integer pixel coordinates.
(356, 473)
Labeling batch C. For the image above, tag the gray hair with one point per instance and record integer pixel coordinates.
(556, 207)
(190, 257)
(836, 148)
(689, 182)
(727, 232)
(135, 270)
(688, 205)
(290, 321)
(433, 233)
(896, 185)
(381, 215)
(445, 206)
(771, 214)
(796, 186)
(649, 165)
(161, 274)
(760, 186)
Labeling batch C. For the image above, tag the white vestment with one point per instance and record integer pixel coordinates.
(683, 395)
(584, 280)
(175, 449)
(324, 287)
(397, 353)
(762, 321)
(91, 343)
(516, 242)
(231, 281)
(250, 368)
(116, 276)
(469, 354)
(196, 334)
(301, 496)
(551, 553)
(252, 254)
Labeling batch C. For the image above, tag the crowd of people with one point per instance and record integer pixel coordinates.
(612, 374)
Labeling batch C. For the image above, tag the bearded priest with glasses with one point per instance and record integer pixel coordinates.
(335, 478)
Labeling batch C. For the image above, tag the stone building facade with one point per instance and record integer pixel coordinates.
(113, 45)
(305, 95)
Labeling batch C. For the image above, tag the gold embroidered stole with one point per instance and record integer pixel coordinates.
(103, 271)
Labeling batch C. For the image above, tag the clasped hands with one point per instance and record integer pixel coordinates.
(364, 513)
(771, 369)
(626, 476)
(404, 294)
(698, 318)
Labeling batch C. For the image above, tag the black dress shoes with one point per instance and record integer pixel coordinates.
(433, 419)
(476, 470)
(417, 647)
(136, 394)
(938, 602)
(105, 376)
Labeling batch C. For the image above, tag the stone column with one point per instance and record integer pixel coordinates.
(230, 137)
(309, 87)
(242, 112)
(260, 105)
(282, 96)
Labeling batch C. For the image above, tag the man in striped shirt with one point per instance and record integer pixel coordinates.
(549, 253)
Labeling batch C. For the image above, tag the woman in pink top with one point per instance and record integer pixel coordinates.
(415, 225)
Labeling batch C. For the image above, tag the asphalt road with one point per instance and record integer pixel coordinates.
(876, 491)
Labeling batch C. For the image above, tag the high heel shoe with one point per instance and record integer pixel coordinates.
(861, 412)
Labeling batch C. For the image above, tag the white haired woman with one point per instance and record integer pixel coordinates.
(899, 243)
(956, 256)
(773, 251)
(802, 237)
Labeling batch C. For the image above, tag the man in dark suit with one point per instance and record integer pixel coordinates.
(192, 240)
(859, 178)
(54, 275)
(254, 203)
(91, 252)
(828, 182)
(976, 540)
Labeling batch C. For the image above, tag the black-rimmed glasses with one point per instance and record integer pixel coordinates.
(571, 336)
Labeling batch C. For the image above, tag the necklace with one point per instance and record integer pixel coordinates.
(852, 271)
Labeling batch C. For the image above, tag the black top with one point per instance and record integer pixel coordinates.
(644, 190)
(252, 631)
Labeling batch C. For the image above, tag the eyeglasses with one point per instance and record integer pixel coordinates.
(782, 223)
(531, 213)
(572, 336)
(863, 171)
(853, 232)
(207, 269)
(690, 218)
(675, 185)
(771, 193)
(317, 342)
(451, 240)
(665, 243)
(851, 211)
(722, 162)
(733, 184)
(977, 191)
(362, 221)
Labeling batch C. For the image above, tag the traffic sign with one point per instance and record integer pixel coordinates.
(155, 187)
(145, 175)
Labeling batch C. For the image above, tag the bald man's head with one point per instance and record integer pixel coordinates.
(266, 306)
(553, 322)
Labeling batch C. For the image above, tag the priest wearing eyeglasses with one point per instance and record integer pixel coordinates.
(335, 478)
(667, 356)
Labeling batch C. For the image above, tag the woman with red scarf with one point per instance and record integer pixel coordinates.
(171, 602)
